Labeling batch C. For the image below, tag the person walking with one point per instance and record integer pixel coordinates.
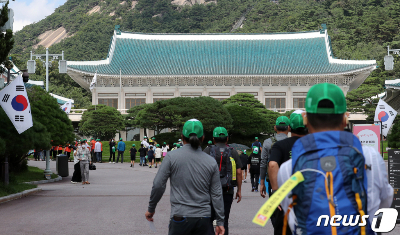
(150, 155)
(195, 185)
(111, 143)
(83, 155)
(243, 158)
(68, 148)
(282, 129)
(142, 154)
(158, 154)
(335, 169)
(219, 152)
(133, 152)
(174, 148)
(257, 143)
(254, 163)
(121, 150)
(77, 175)
(97, 150)
(164, 149)
(281, 152)
(92, 146)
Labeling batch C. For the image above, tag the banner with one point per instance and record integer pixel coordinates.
(67, 107)
(368, 134)
(386, 114)
(94, 80)
(14, 100)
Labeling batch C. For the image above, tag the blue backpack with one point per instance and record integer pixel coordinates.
(339, 156)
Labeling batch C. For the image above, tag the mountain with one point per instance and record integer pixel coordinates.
(359, 29)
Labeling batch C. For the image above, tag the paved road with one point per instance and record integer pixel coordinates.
(114, 203)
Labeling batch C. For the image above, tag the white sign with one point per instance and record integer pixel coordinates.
(14, 100)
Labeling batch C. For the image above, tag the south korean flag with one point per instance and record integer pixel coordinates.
(67, 107)
(14, 100)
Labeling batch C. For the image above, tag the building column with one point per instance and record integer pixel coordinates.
(149, 96)
(261, 96)
(150, 133)
(141, 134)
(123, 135)
(121, 100)
(289, 97)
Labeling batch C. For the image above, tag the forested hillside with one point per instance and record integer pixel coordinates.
(360, 29)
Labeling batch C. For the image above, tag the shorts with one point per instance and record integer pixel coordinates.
(164, 154)
(133, 158)
(150, 159)
(158, 159)
(244, 168)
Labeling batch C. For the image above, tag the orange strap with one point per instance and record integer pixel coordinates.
(287, 214)
(329, 194)
(362, 213)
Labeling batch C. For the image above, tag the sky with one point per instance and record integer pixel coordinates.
(29, 11)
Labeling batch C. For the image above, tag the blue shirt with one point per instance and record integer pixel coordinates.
(121, 146)
(150, 153)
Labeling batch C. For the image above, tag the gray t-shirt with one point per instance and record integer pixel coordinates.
(264, 154)
(195, 184)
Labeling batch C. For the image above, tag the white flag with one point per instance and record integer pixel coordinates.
(386, 114)
(67, 107)
(94, 80)
(14, 100)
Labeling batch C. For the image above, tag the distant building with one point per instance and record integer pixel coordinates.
(278, 69)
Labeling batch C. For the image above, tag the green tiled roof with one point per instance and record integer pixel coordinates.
(144, 57)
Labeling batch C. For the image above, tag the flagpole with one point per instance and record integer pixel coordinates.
(120, 80)
(382, 140)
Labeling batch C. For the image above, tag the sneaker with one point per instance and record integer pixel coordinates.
(114, 162)
(109, 162)
(73, 182)
(256, 190)
(131, 165)
(252, 189)
(149, 166)
(140, 164)
(155, 167)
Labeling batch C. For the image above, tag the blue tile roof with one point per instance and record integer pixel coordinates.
(146, 57)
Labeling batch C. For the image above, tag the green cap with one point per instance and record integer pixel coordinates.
(220, 132)
(282, 121)
(91, 138)
(98, 140)
(210, 142)
(145, 137)
(326, 91)
(255, 149)
(120, 139)
(164, 143)
(154, 138)
(174, 144)
(158, 145)
(178, 145)
(296, 121)
(256, 138)
(244, 151)
(193, 126)
(133, 145)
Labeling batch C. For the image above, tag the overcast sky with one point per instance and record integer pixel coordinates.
(30, 11)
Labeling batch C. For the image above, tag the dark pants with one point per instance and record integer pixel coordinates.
(98, 156)
(277, 221)
(36, 155)
(68, 155)
(54, 155)
(254, 177)
(120, 153)
(93, 155)
(112, 154)
(77, 177)
(228, 199)
(189, 226)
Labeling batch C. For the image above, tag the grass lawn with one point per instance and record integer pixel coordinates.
(17, 180)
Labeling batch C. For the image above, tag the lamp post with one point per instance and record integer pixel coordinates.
(62, 65)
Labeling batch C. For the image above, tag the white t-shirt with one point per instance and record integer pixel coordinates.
(380, 192)
(145, 144)
(165, 149)
(158, 153)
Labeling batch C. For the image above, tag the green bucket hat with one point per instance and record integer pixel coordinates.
(282, 121)
(158, 145)
(178, 145)
(210, 142)
(325, 91)
(133, 145)
(193, 126)
(154, 138)
(255, 149)
(296, 121)
(220, 132)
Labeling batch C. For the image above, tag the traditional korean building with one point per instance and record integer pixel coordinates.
(278, 69)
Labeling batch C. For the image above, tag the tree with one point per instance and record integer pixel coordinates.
(394, 136)
(173, 113)
(244, 99)
(6, 40)
(49, 123)
(101, 121)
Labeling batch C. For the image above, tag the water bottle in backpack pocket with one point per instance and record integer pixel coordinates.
(335, 183)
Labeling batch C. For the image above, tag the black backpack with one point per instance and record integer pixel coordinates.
(223, 158)
(92, 166)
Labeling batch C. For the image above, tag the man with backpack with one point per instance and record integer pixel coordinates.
(282, 129)
(230, 167)
(281, 152)
(257, 143)
(334, 169)
(254, 163)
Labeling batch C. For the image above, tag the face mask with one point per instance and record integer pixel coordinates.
(112, 140)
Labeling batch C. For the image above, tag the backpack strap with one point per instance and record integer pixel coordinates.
(285, 219)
